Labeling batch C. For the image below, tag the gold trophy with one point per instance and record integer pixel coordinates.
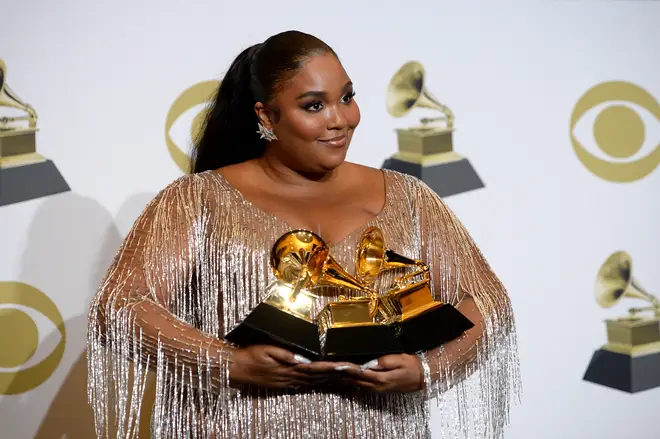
(630, 360)
(419, 321)
(24, 174)
(301, 262)
(350, 329)
(426, 151)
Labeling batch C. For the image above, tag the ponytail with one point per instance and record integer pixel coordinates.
(229, 133)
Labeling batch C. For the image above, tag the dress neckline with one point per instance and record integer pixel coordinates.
(273, 217)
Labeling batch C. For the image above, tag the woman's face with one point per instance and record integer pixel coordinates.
(315, 116)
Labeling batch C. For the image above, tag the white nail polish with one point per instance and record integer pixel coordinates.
(343, 367)
(369, 365)
(300, 359)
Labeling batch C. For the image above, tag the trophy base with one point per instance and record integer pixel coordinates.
(624, 372)
(445, 179)
(360, 344)
(432, 328)
(271, 326)
(30, 181)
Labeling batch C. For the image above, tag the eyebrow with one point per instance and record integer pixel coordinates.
(322, 94)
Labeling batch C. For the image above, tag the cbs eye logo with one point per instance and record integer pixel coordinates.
(195, 96)
(25, 362)
(621, 133)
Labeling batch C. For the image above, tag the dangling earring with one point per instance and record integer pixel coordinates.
(266, 133)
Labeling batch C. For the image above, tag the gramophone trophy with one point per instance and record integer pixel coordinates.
(419, 321)
(285, 317)
(349, 328)
(302, 262)
(426, 151)
(630, 360)
(24, 174)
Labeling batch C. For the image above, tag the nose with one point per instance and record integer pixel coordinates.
(336, 119)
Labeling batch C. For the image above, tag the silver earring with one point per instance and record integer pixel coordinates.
(266, 133)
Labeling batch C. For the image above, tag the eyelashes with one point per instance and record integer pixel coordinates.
(317, 105)
(350, 95)
(310, 106)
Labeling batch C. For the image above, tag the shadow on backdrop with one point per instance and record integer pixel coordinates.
(71, 243)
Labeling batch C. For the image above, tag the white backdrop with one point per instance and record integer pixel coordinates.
(103, 75)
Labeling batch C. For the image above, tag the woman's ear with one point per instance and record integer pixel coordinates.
(264, 114)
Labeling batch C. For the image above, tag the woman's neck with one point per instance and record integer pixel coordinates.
(279, 173)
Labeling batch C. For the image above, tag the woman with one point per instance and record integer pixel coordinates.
(271, 159)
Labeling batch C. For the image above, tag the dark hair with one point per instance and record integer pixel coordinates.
(229, 133)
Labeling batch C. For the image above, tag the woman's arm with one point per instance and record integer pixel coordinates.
(145, 315)
(461, 276)
(445, 366)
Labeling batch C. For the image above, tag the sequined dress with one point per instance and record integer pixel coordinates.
(196, 262)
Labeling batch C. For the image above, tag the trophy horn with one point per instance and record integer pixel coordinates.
(8, 98)
(301, 258)
(615, 281)
(406, 90)
(372, 257)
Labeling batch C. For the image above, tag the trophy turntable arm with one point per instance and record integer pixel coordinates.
(422, 269)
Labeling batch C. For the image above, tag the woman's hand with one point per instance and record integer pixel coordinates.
(270, 366)
(399, 373)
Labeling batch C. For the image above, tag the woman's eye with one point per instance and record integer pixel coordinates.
(348, 97)
(314, 106)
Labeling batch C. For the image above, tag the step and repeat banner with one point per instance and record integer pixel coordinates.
(546, 143)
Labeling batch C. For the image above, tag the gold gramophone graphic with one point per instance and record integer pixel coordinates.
(426, 151)
(630, 360)
(24, 173)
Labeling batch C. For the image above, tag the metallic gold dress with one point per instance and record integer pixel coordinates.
(196, 262)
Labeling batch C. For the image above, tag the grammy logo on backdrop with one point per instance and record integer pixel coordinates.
(630, 360)
(24, 173)
(426, 151)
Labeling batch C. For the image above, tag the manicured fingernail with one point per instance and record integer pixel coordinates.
(369, 365)
(300, 359)
(344, 367)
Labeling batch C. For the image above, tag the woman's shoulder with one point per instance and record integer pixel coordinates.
(191, 189)
(396, 182)
(403, 191)
(202, 181)
(390, 175)
(419, 196)
(407, 181)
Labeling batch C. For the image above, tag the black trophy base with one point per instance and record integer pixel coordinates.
(445, 179)
(360, 344)
(271, 326)
(624, 372)
(432, 328)
(30, 181)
